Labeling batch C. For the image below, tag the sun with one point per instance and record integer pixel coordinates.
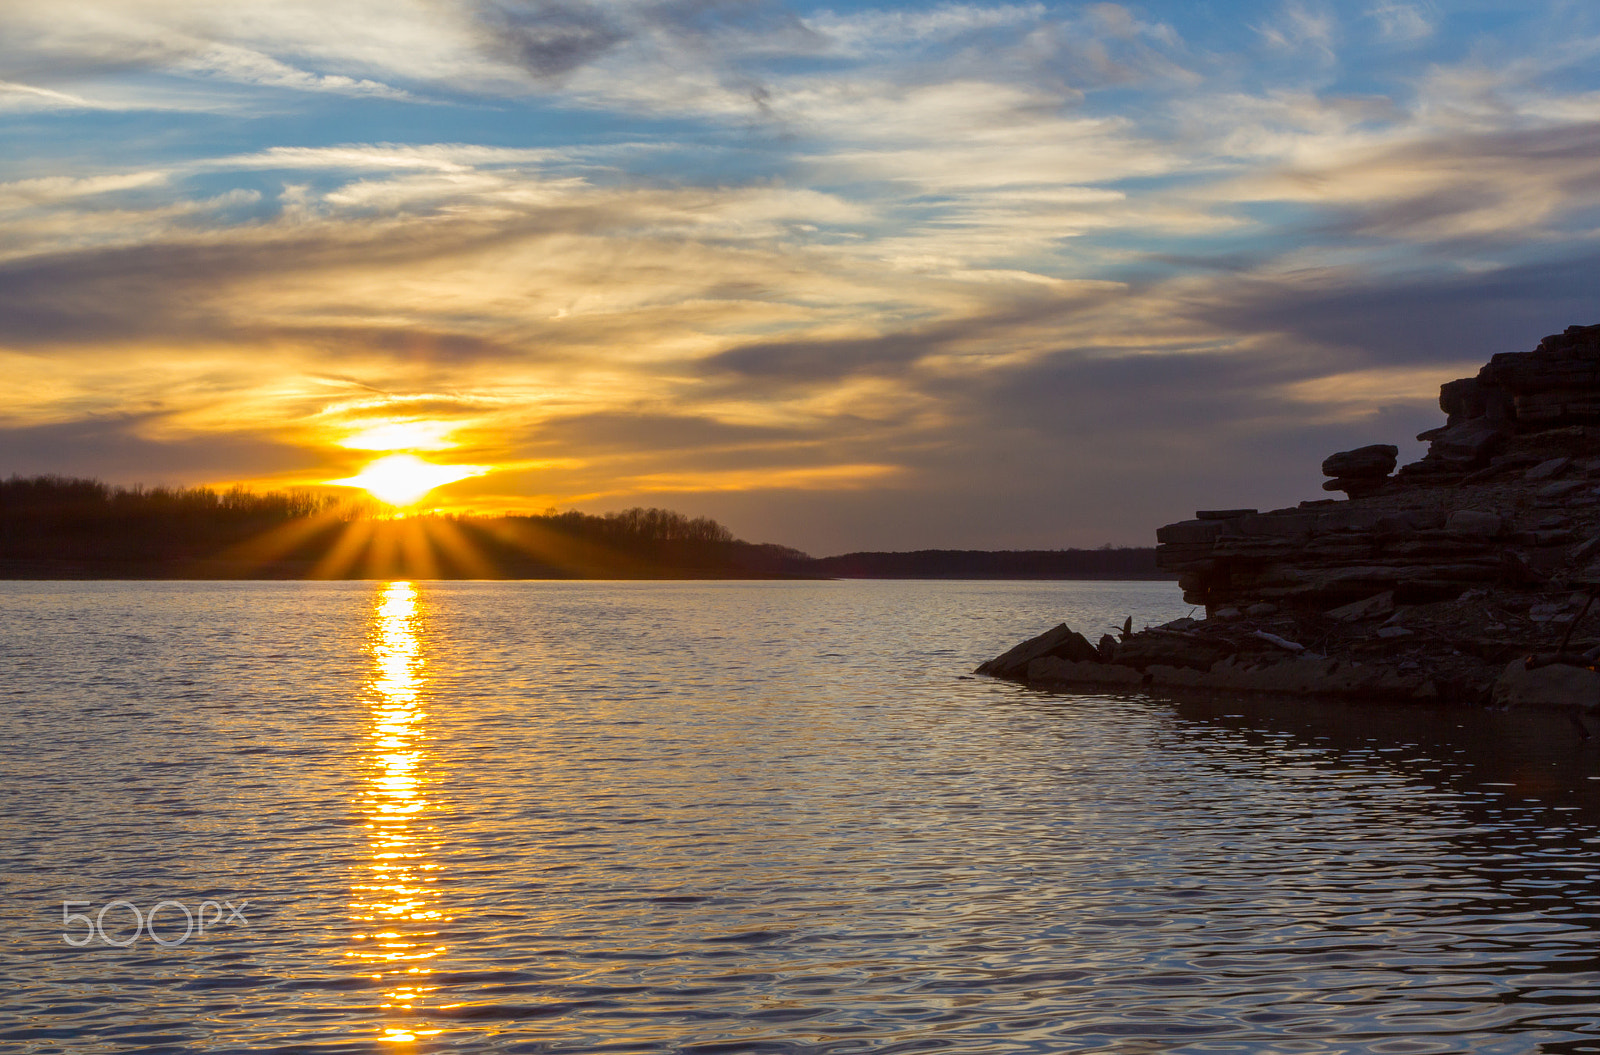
(403, 479)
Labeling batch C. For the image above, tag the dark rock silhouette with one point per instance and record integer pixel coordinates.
(1503, 491)
(1362, 471)
(1062, 643)
(1462, 577)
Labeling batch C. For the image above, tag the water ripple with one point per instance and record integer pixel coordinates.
(733, 817)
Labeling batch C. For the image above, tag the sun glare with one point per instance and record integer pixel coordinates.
(403, 479)
(401, 436)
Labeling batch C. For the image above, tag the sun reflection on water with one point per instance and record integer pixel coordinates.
(398, 908)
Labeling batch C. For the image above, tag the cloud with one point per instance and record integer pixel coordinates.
(870, 32)
(48, 191)
(383, 157)
(14, 96)
(1301, 28)
(1442, 318)
(1498, 186)
(831, 478)
(981, 332)
(1360, 392)
(245, 66)
(649, 428)
(720, 57)
(504, 48)
(115, 447)
(1403, 22)
(287, 44)
(549, 39)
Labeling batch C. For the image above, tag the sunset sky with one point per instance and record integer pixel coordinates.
(842, 276)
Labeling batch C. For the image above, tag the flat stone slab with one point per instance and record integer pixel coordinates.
(1556, 687)
(1371, 608)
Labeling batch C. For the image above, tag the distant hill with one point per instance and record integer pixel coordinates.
(1109, 563)
(55, 527)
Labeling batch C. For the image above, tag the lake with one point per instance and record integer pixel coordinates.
(737, 817)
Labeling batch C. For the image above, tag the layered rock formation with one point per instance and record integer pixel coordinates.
(1506, 495)
(1424, 584)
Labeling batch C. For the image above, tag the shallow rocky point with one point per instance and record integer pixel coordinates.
(1464, 578)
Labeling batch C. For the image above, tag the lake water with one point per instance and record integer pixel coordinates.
(748, 817)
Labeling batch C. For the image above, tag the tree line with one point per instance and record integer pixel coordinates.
(56, 526)
(67, 525)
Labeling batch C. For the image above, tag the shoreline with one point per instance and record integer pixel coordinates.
(201, 570)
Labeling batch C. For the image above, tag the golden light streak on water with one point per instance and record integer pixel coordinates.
(399, 906)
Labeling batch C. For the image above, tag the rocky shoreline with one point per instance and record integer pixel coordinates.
(1466, 578)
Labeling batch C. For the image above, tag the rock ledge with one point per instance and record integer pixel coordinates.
(1464, 578)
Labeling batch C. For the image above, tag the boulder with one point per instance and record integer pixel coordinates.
(1547, 469)
(1061, 641)
(1555, 687)
(1584, 550)
(1375, 460)
(1464, 446)
(1378, 604)
(1470, 398)
(1559, 492)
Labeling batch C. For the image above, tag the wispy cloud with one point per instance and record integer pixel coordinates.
(1404, 22)
(14, 96)
(1299, 27)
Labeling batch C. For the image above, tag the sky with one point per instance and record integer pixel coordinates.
(859, 276)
